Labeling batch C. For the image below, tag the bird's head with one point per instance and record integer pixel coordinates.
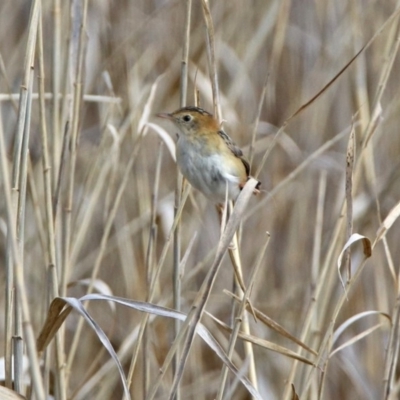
(192, 120)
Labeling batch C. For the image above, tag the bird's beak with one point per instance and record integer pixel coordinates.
(165, 115)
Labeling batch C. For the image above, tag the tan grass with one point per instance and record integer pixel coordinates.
(94, 215)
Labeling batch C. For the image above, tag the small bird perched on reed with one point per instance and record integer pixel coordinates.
(207, 157)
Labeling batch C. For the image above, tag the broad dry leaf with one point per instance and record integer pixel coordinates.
(57, 315)
(98, 285)
(353, 238)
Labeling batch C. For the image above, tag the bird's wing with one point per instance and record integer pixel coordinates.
(234, 149)
(231, 144)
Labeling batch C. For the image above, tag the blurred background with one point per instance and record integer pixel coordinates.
(131, 70)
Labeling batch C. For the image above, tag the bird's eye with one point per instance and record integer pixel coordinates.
(187, 118)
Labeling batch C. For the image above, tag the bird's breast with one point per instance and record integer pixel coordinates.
(209, 171)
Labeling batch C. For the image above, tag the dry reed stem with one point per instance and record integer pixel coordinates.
(150, 263)
(15, 201)
(239, 324)
(197, 309)
(211, 59)
(177, 288)
(19, 280)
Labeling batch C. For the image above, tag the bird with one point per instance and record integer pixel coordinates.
(207, 157)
